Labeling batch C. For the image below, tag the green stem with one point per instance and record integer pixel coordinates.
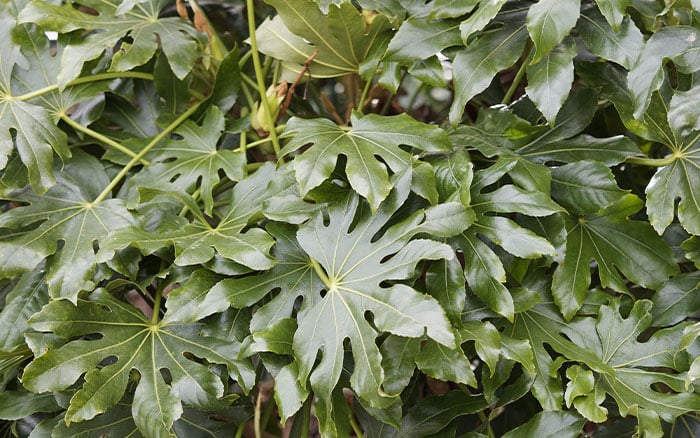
(652, 162)
(156, 304)
(519, 75)
(321, 273)
(240, 430)
(306, 417)
(356, 427)
(260, 77)
(365, 93)
(97, 136)
(256, 416)
(86, 80)
(243, 59)
(137, 158)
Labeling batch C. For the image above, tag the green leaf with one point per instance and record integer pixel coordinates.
(614, 11)
(548, 22)
(195, 160)
(452, 8)
(185, 302)
(692, 249)
(585, 187)
(678, 298)
(65, 214)
(433, 414)
(550, 423)
(475, 66)
(618, 245)
(342, 38)
(15, 405)
(679, 179)
(445, 363)
(27, 297)
(147, 31)
(27, 126)
(371, 136)
(583, 395)
(620, 45)
(488, 9)
(683, 114)
(354, 263)
(199, 241)
(132, 343)
(398, 361)
(677, 43)
(420, 38)
(549, 79)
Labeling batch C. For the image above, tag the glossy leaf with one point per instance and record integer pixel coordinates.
(27, 297)
(132, 343)
(420, 38)
(549, 423)
(340, 39)
(618, 245)
(65, 214)
(621, 46)
(549, 80)
(488, 9)
(475, 67)
(371, 136)
(548, 22)
(148, 32)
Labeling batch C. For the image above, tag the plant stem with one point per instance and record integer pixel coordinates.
(321, 273)
(519, 75)
(97, 136)
(363, 96)
(356, 427)
(87, 80)
(653, 162)
(137, 158)
(256, 417)
(259, 76)
(156, 304)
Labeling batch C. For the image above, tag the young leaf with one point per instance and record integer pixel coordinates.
(177, 38)
(371, 136)
(341, 40)
(133, 343)
(67, 214)
(618, 245)
(549, 21)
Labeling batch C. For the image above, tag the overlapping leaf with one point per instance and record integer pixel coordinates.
(195, 160)
(342, 39)
(549, 79)
(371, 136)
(609, 347)
(130, 342)
(549, 21)
(142, 24)
(483, 268)
(199, 241)
(63, 223)
(618, 245)
(27, 297)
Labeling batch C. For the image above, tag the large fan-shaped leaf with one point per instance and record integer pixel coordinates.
(147, 31)
(371, 136)
(65, 214)
(199, 241)
(341, 40)
(129, 342)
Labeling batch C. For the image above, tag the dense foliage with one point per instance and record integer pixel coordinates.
(399, 218)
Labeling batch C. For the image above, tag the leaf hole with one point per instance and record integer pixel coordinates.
(167, 377)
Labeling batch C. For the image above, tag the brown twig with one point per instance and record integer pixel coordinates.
(290, 91)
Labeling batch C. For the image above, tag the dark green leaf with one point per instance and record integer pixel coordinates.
(550, 423)
(614, 11)
(421, 38)
(488, 9)
(585, 187)
(676, 299)
(622, 45)
(15, 405)
(27, 297)
(433, 414)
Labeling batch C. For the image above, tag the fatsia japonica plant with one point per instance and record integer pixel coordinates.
(400, 218)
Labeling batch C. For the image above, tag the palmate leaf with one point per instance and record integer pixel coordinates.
(147, 31)
(371, 136)
(131, 342)
(483, 268)
(195, 160)
(65, 214)
(618, 245)
(26, 126)
(621, 364)
(342, 39)
(350, 263)
(199, 241)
